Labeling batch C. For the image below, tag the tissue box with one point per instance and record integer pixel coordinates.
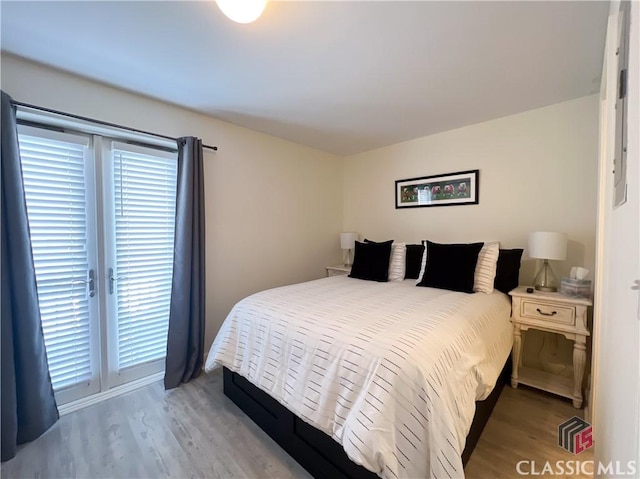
(576, 288)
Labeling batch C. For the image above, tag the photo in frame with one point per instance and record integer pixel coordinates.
(449, 189)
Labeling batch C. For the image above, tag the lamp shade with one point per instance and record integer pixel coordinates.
(548, 245)
(348, 240)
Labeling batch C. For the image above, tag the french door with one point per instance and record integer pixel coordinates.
(101, 218)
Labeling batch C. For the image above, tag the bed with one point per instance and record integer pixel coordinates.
(390, 372)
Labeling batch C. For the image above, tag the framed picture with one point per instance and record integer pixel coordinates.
(450, 189)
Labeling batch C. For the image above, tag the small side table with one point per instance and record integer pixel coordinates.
(338, 270)
(553, 313)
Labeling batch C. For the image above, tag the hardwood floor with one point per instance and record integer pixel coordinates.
(523, 427)
(195, 431)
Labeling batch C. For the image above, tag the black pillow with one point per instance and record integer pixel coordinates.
(451, 266)
(508, 270)
(378, 242)
(371, 261)
(413, 261)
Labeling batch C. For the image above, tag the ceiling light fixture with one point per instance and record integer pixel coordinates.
(242, 11)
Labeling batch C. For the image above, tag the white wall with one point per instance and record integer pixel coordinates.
(273, 208)
(537, 172)
(617, 313)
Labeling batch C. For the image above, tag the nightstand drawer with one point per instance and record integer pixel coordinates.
(553, 313)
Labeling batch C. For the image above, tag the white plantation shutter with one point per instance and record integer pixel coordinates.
(144, 185)
(54, 170)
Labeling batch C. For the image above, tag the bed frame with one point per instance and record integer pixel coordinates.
(314, 450)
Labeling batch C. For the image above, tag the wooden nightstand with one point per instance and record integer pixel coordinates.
(553, 313)
(338, 270)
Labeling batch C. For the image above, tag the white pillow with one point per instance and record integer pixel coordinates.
(486, 268)
(423, 264)
(397, 262)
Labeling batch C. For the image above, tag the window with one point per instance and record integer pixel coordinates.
(102, 218)
(144, 192)
(57, 182)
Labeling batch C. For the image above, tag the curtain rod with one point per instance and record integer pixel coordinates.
(103, 123)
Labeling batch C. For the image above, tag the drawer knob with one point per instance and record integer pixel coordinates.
(552, 313)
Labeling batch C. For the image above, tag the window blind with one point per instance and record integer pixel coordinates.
(145, 208)
(55, 191)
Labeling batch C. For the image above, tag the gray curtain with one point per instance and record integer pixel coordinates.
(185, 341)
(28, 405)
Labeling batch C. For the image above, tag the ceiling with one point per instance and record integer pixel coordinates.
(341, 76)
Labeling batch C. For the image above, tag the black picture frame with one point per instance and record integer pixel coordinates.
(448, 189)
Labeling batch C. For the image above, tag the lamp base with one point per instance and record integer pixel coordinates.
(346, 257)
(546, 280)
(546, 289)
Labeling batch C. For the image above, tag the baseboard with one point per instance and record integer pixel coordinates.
(110, 393)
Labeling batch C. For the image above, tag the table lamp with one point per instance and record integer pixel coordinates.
(547, 246)
(347, 243)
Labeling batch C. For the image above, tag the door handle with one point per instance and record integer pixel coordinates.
(112, 281)
(91, 283)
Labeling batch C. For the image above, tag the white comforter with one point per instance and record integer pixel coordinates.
(391, 371)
